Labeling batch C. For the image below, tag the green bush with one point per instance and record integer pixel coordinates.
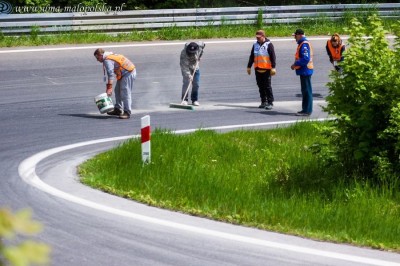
(365, 98)
(27, 252)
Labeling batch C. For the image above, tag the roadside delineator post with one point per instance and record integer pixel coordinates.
(145, 136)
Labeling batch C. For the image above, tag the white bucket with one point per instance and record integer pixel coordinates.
(104, 103)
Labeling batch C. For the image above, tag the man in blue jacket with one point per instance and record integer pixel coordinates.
(303, 64)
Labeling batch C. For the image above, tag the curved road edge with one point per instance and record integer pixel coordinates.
(27, 171)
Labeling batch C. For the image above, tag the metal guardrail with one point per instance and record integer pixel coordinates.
(125, 21)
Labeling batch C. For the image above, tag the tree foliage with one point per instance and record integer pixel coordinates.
(28, 252)
(365, 99)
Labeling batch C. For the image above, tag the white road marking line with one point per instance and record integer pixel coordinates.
(27, 171)
(48, 49)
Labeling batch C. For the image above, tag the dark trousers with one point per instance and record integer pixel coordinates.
(264, 86)
(306, 92)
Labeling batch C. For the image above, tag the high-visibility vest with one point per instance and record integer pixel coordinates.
(261, 56)
(336, 52)
(124, 63)
(310, 64)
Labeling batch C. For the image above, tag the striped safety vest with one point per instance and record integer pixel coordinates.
(336, 52)
(124, 63)
(261, 56)
(310, 64)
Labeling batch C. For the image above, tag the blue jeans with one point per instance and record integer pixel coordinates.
(306, 91)
(195, 86)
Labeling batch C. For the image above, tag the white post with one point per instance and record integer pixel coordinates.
(145, 134)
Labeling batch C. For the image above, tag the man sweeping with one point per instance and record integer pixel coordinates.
(121, 69)
(190, 56)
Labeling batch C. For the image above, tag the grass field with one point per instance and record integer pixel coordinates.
(266, 179)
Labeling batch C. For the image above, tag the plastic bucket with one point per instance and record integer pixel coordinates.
(104, 103)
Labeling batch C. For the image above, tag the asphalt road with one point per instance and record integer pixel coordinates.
(47, 102)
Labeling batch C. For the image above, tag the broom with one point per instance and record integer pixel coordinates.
(181, 105)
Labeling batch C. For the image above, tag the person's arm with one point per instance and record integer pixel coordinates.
(251, 61)
(272, 56)
(305, 55)
(201, 45)
(251, 58)
(184, 63)
(341, 52)
(109, 67)
(329, 53)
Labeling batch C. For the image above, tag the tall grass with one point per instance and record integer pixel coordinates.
(266, 179)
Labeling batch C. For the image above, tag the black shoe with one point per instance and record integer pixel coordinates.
(125, 115)
(116, 111)
(262, 105)
(301, 113)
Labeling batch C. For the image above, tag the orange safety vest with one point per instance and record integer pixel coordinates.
(310, 64)
(336, 52)
(124, 63)
(261, 56)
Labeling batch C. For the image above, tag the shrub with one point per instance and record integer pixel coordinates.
(365, 98)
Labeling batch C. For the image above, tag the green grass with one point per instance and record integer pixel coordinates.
(319, 26)
(266, 179)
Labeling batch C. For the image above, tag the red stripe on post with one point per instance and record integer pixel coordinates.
(145, 133)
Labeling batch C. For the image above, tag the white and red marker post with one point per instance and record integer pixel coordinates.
(145, 135)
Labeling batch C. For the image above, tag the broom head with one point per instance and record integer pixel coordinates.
(181, 106)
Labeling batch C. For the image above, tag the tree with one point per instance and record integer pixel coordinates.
(365, 99)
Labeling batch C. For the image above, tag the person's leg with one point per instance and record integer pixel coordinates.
(309, 107)
(268, 87)
(262, 84)
(306, 91)
(126, 91)
(195, 86)
(185, 85)
(117, 92)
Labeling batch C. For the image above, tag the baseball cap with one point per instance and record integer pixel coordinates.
(260, 33)
(192, 48)
(298, 32)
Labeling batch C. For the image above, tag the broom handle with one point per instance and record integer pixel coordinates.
(191, 80)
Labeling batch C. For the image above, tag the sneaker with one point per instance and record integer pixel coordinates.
(125, 115)
(185, 103)
(269, 106)
(116, 111)
(195, 103)
(262, 105)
